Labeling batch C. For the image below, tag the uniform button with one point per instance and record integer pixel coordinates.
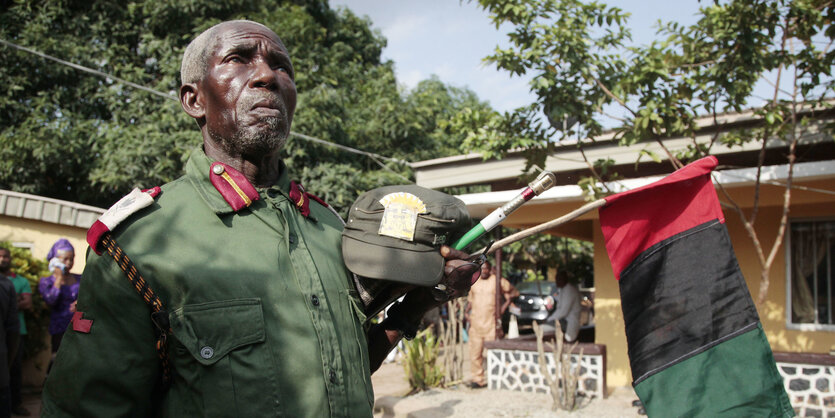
(217, 169)
(207, 352)
(292, 238)
(314, 300)
(332, 376)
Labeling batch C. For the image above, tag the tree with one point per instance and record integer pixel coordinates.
(585, 70)
(71, 135)
(543, 251)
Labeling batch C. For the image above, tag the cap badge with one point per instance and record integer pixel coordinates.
(400, 215)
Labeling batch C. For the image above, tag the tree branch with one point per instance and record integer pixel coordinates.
(612, 95)
(591, 168)
(673, 160)
(766, 130)
(784, 218)
(749, 228)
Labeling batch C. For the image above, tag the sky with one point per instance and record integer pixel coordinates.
(449, 38)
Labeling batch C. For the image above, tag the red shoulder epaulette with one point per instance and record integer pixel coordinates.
(126, 206)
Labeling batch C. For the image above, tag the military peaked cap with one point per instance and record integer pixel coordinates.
(395, 233)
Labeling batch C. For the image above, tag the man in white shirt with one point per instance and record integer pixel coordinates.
(567, 313)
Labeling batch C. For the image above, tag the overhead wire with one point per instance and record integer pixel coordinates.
(88, 70)
(373, 156)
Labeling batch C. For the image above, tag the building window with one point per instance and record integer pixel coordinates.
(811, 268)
(24, 245)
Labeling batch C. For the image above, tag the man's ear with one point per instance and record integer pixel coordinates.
(192, 101)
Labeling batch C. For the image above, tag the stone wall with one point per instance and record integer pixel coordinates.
(514, 365)
(809, 380)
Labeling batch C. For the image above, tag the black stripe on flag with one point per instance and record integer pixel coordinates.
(682, 296)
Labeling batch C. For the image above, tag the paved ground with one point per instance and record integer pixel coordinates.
(390, 386)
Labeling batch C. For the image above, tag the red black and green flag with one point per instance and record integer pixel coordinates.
(696, 344)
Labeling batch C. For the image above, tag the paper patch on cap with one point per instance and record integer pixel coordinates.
(400, 215)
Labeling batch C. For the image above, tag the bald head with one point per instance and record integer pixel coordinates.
(196, 56)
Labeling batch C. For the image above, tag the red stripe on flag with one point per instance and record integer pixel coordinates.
(638, 219)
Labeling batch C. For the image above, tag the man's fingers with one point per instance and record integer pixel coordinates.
(450, 253)
(453, 264)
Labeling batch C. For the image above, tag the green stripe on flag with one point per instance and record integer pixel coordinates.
(736, 378)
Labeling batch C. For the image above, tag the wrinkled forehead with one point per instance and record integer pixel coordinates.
(244, 34)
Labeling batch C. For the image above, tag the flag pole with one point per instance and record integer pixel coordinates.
(588, 207)
(545, 181)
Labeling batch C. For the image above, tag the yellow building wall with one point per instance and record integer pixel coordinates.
(609, 316)
(772, 311)
(43, 235)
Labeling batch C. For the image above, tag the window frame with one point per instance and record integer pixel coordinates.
(788, 275)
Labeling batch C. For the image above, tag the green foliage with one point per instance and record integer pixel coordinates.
(420, 361)
(534, 255)
(594, 186)
(37, 318)
(71, 135)
(585, 68)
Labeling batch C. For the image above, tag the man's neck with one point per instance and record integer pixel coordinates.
(7, 272)
(262, 171)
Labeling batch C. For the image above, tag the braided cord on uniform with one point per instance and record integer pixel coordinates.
(141, 286)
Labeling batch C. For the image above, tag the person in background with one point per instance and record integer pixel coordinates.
(482, 318)
(60, 290)
(9, 340)
(567, 313)
(24, 302)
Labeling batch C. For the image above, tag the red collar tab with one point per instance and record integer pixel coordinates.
(232, 185)
(79, 324)
(300, 198)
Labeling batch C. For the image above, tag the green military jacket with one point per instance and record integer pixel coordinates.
(264, 316)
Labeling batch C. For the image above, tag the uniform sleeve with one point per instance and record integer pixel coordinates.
(112, 369)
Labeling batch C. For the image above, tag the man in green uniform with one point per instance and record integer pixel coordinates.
(264, 317)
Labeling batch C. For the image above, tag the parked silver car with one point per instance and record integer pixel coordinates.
(530, 305)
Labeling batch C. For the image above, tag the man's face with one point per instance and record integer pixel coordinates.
(5, 260)
(485, 271)
(249, 91)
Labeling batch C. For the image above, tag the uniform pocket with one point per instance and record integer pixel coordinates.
(220, 353)
(209, 331)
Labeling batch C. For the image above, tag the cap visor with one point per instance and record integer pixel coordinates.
(420, 268)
